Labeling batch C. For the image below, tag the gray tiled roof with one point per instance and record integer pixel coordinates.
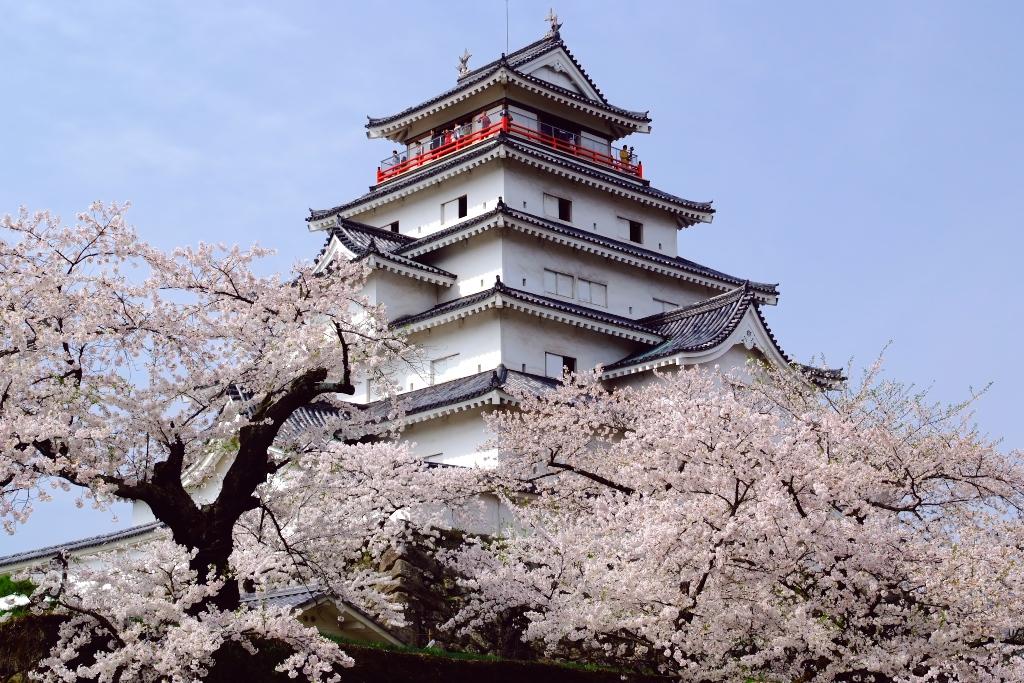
(295, 597)
(357, 236)
(525, 147)
(81, 544)
(462, 389)
(698, 327)
(513, 61)
(706, 324)
(320, 414)
(404, 261)
(530, 52)
(365, 240)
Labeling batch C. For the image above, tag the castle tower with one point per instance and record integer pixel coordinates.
(511, 235)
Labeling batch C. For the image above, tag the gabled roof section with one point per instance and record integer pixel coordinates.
(530, 53)
(547, 63)
(697, 327)
(376, 246)
(357, 236)
(705, 325)
(526, 59)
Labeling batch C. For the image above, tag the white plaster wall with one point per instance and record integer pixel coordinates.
(631, 291)
(401, 295)
(476, 339)
(526, 338)
(733, 360)
(419, 214)
(476, 261)
(455, 439)
(592, 209)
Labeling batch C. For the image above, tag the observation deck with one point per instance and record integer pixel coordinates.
(457, 138)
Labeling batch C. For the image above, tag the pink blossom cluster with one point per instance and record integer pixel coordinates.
(757, 529)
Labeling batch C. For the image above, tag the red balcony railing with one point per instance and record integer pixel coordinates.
(464, 136)
(567, 141)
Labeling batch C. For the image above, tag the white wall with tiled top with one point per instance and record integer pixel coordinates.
(526, 338)
(474, 341)
(631, 292)
(419, 214)
(401, 295)
(592, 210)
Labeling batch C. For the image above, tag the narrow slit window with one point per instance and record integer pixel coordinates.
(592, 292)
(636, 232)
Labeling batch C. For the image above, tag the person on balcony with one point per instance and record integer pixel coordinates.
(484, 120)
(395, 159)
(624, 156)
(449, 136)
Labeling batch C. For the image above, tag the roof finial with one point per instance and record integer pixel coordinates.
(464, 62)
(552, 19)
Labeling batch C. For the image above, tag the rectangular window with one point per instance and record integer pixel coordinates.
(592, 292)
(555, 364)
(665, 305)
(636, 232)
(393, 227)
(557, 283)
(454, 210)
(441, 365)
(558, 207)
(631, 230)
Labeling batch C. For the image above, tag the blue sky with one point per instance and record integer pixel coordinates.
(866, 155)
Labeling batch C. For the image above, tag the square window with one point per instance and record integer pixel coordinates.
(393, 227)
(550, 281)
(592, 292)
(665, 305)
(558, 207)
(439, 366)
(558, 283)
(556, 364)
(454, 209)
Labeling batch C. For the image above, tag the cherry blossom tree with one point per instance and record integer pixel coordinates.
(130, 372)
(732, 529)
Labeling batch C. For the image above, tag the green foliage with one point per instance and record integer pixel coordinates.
(9, 586)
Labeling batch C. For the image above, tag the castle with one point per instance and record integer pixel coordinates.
(511, 237)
